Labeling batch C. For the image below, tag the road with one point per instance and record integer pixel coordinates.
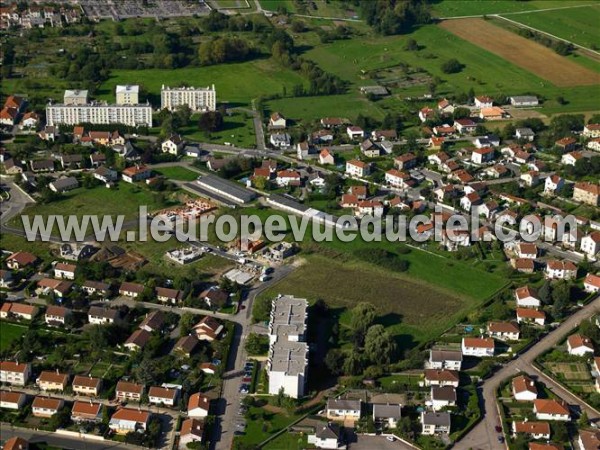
(483, 435)
(18, 200)
(59, 441)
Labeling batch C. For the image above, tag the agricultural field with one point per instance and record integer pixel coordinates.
(415, 309)
(10, 332)
(523, 52)
(450, 8)
(578, 25)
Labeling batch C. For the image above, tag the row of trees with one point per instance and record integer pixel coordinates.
(395, 16)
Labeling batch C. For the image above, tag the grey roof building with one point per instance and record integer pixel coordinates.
(64, 184)
(225, 188)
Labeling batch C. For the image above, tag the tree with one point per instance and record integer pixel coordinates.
(186, 322)
(363, 315)
(452, 66)
(354, 363)
(256, 344)
(211, 121)
(559, 432)
(380, 347)
(334, 360)
(461, 113)
(545, 292)
(560, 297)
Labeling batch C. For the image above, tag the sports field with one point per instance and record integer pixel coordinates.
(523, 52)
(578, 25)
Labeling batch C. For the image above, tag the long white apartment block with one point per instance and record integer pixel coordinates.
(198, 99)
(288, 319)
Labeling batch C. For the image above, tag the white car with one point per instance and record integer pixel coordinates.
(390, 438)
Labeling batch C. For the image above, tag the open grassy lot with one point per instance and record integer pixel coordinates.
(578, 25)
(415, 311)
(238, 129)
(178, 173)
(14, 243)
(10, 332)
(449, 8)
(235, 83)
(523, 52)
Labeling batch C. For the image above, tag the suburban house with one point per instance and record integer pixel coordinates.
(441, 377)
(153, 321)
(215, 297)
(126, 420)
(586, 192)
(591, 283)
(173, 145)
(280, 140)
(52, 381)
(186, 345)
(287, 178)
(590, 244)
(478, 346)
(526, 250)
(18, 310)
(465, 126)
(14, 373)
(46, 407)
(504, 331)
(277, 121)
(529, 315)
(130, 289)
(493, 113)
(406, 161)
(343, 409)
(566, 144)
(101, 316)
(579, 345)
(326, 436)
(163, 396)
(483, 101)
(167, 295)
(64, 184)
(571, 158)
(198, 405)
(523, 389)
(128, 391)
(208, 329)
(86, 385)
(355, 133)
(536, 430)
(86, 412)
(435, 423)
(106, 175)
(137, 341)
(545, 409)
(442, 396)
(12, 400)
(482, 155)
(553, 184)
(136, 173)
(560, 270)
(525, 133)
(370, 149)
(445, 359)
(192, 430)
(357, 168)
(20, 260)
(527, 297)
(387, 414)
(56, 315)
(398, 179)
(326, 157)
(589, 439)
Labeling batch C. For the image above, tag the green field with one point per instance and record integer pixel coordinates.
(238, 129)
(578, 25)
(178, 173)
(450, 8)
(235, 83)
(417, 305)
(10, 332)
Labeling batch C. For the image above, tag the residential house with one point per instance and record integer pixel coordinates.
(215, 297)
(46, 407)
(441, 377)
(527, 297)
(490, 140)
(14, 373)
(434, 423)
(369, 207)
(65, 271)
(302, 150)
(406, 161)
(198, 405)
(482, 155)
(594, 144)
(586, 192)
(525, 133)
(186, 345)
(526, 250)
(356, 168)
(130, 289)
(566, 144)
(483, 101)
(326, 436)
(436, 143)
(137, 341)
(528, 315)
(208, 368)
(578, 345)
(535, 430)
(163, 396)
(277, 121)
(153, 321)
(333, 122)
(545, 409)
(530, 178)
(560, 270)
(571, 158)
(355, 133)
(504, 331)
(445, 107)
(18, 310)
(136, 173)
(106, 175)
(384, 135)
(590, 245)
(12, 400)
(465, 126)
(86, 412)
(478, 346)
(102, 316)
(64, 185)
(442, 397)
(288, 178)
(445, 359)
(45, 165)
(173, 145)
(444, 130)
(343, 409)
(52, 381)
(591, 283)
(126, 391)
(86, 385)
(167, 295)
(280, 140)
(553, 184)
(469, 201)
(20, 260)
(387, 414)
(192, 430)
(326, 157)
(97, 159)
(591, 130)
(426, 113)
(524, 389)
(127, 420)
(192, 150)
(589, 439)
(208, 329)
(398, 179)
(56, 316)
(493, 113)
(370, 149)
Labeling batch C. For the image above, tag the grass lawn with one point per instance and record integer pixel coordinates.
(272, 5)
(288, 441)
(265, 423)
(415, 308)
(178, 173)
(238, 129)
(15, 243)
(237, 83)
(123, 200)
(449, 8)
(579, 25)
(10, 332)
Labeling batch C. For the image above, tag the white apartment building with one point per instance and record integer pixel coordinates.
(288, 319)
(128, 94)
(198, 99)
(75, 97)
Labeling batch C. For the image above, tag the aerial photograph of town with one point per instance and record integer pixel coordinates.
(300, 224)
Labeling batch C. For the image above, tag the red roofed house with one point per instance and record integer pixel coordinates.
(566, 144)
(162, 396)
(136, 173)
(45, 406)
(130, 289)
(52, 381)
(208, 329)
(590, 245)
(588, 439)
(192, 430)
(16, 443)
(12, 400)
(129, 391)
(56, 315)
(591, 130)
(482, 155)
(288, 178)
(86, 412)
(529, 315)
(64, 271)
(478, 346)
(545, 409)
(326, 157)
(505, 331)
(465, 126)
(137, 340)
(537, 430)
(586, 192)
(355, 132)
(443, 377)
(19, 260)
(483, 101)
(406, 161)
(523, 389)
(527, 297)
(591, 283)
(126, 420)
(86, 385)
(198, 405)
(18, 310)
(560, 270)
(357, 168)
(14, 373)
(579, 345)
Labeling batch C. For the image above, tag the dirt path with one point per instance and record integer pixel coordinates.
(523, 52)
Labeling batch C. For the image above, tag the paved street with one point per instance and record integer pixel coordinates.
(484, 436)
